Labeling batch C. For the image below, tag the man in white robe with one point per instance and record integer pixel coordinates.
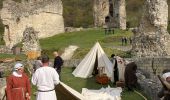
(45, 78)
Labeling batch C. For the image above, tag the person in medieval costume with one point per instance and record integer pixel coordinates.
(121, 63)
(18, 84)
(115, 68)
(165, 92)
(58, 62)
(45, 78)
(130, 76)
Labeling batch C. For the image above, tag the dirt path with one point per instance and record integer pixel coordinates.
(122, 48)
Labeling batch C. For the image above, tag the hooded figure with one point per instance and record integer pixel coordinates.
(165, 93)
(130, 76)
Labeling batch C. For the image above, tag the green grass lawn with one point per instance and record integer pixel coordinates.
(20, 56)
(85, 41)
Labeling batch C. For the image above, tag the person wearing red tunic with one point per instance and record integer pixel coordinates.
(18, 84)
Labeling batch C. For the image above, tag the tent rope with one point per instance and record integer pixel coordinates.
(140, 95)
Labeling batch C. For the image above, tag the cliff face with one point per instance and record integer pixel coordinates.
(45, 16)
(151, 39)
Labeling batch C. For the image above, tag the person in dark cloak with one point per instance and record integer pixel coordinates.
(165, 92)
(115, 68)
(130, 76)
(58, 62)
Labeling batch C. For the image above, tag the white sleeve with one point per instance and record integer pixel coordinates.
(56, 77)
(34, 78)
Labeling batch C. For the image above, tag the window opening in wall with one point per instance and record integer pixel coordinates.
(107, 19)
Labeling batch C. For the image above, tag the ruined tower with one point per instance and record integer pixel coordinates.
(103, 13)
(45, 16)
(151, 38)
(119, 14)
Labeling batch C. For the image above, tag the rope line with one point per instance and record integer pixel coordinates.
(140, 95)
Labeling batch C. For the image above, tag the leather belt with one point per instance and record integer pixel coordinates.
(45, 90)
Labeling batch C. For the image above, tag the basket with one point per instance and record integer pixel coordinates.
(102, 79)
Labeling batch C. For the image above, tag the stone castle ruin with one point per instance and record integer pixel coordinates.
(101, 12)
(110, 13)
(30, 40)
(45, 16)
(31, 45)
(151, 38)
(119, 14)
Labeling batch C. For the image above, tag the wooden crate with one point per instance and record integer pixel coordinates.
(120, 84)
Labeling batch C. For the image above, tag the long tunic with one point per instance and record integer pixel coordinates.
(45, 78)
(130, 75)
(17, 87)
(121, 68)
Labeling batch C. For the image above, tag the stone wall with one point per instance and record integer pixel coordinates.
(103, 9)
(45, 16)
(149, 68)
(151, 38)
(158, 64)
(5, 49)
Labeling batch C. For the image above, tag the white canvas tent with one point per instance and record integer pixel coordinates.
(86, 66)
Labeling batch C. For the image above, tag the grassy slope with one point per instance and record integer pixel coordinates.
(84, 40)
